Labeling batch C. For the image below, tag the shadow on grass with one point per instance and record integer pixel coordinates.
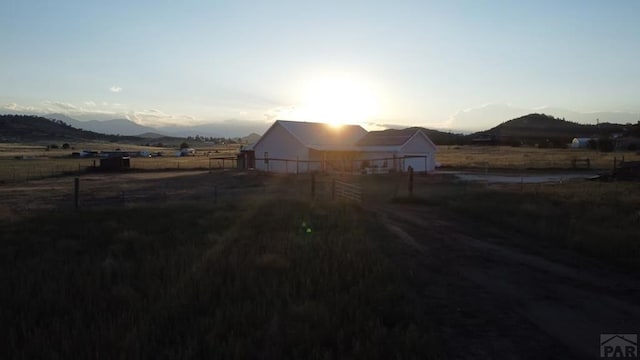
(273, 279)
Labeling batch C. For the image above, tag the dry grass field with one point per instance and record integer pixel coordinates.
(28, 162)
(522, 158)
(235, 264)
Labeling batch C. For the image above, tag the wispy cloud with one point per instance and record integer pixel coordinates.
(155, 117)
(279, 113)
(17, 108)
(115, 89)
(59, 106)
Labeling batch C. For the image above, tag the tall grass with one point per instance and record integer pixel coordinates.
(520, 158)
(275, 279)
(596, 219)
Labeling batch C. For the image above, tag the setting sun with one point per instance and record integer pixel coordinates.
(337, 100)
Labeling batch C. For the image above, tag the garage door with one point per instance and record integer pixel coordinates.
(418, 163)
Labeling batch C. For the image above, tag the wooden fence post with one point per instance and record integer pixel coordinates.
(410, 180)
(76, 191)
(333, 189)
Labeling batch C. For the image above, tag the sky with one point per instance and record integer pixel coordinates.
(377, 63)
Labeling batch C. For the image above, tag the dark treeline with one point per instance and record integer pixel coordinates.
(30, 127)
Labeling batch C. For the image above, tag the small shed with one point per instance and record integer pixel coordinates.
(115, 163)
(581, 143)
(246, 158)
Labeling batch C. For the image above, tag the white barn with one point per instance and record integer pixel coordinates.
(292, 147)
(399, 149)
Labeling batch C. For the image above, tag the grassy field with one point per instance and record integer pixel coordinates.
(265, 271)
(598, 219)
(311, 280)
(27, 162)
(521, 158)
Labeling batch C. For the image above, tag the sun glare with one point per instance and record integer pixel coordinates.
(337, 100)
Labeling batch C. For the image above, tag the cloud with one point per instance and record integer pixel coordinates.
(155, 117)
(90, 103)
(485, 116)
(60, 106)
(115, 89)
(279, 113)
(13, 107)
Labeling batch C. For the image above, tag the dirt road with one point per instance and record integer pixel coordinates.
(498, 301)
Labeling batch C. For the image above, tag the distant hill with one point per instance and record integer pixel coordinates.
(540, 128)
(251, 138)
(64, 118)
(115, 126)
(27, 127)
(151, 135)
(443, 138)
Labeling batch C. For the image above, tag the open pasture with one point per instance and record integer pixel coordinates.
(523, 158)
(223, 263)
(195, 277)
(28, 162)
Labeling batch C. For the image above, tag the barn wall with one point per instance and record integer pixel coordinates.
(375, 159)
(334, 160)
(280, 144)
(419, 146)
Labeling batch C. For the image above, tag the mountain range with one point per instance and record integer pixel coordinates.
(225, 129)
(532, 129)
(467, 121)
(19, 128)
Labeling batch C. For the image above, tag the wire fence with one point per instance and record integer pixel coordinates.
(378, 165)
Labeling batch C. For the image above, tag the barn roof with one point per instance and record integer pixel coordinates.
(390, 137)
(323, 135)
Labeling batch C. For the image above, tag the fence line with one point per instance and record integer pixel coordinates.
(346, 191)
(352, 166)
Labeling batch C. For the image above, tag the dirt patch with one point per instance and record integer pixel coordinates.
(520, 178)
(498, 301)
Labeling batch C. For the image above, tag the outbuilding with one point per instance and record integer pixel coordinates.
(293, 147)
(581, 143)
(399, 149)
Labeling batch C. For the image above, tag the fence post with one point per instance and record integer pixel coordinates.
(76, 191)
(313, 185)
(411, 172)
(333, 189)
